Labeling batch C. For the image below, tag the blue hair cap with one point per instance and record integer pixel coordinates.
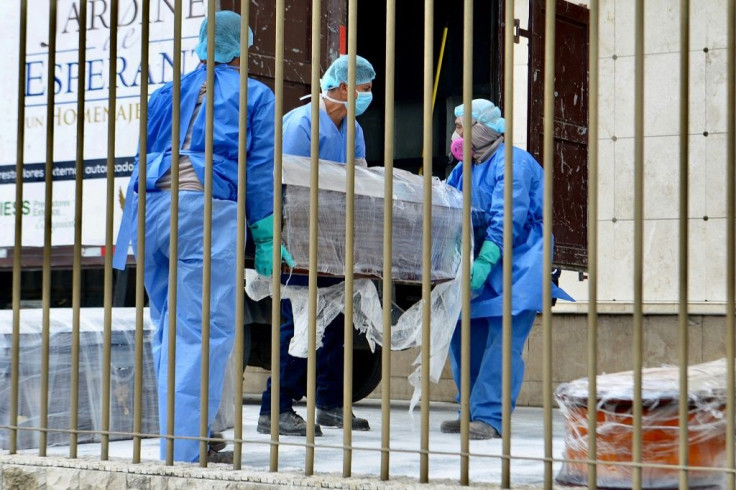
(227, 37)
(486, 113)
(337, 73)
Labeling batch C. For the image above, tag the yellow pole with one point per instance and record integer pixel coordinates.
(436, 81)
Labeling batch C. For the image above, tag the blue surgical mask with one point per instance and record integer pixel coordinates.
(362, 102)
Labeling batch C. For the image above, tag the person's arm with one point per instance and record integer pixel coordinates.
(521, 202)
(360, 160)
(297, 137)
(259, 180)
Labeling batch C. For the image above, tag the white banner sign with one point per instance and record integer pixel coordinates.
(96, 115)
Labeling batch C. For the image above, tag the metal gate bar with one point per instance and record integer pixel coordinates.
(76, 266)
(241, 231)
(173, 238)
(141, 246)
(466, 244)
(549, 164)
(388, 223)
(347, 396)
(20, 140)
(684, 452)
(46, 281)
(276, 280)
(313, 237)
(508, 243)
(592, 319)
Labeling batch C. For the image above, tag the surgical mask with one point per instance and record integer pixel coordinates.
(455, 136)
(456, 148)
(361, 103)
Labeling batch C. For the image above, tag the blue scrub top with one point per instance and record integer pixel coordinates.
(528, 241)
(333, 141)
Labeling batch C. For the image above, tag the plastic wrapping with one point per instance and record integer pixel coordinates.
(406, 332)
(122, 376)
(369, 187)
(660, 426)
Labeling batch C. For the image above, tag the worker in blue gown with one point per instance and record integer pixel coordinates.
(486, 281)
(259, 208)
(333, 134)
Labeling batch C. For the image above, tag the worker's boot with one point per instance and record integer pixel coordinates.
(332, 417)
(481, 430)
(450, 426)
(290, 424)
(224, 457)
(217, 446)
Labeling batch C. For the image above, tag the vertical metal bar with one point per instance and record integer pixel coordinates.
(388, 226)
(638, 237)
(426, 235)
(593, 245)
(76, 266)
(684, 453)
(46, 281)
(549, 163)
(347, 396)
(20, 140)
(730, 242)
(141, 247)
(174, 238)
(508, 243)
(240, 240)
(109, 210)
(207, 238)
(278, 138)
(313, 237)
(467, 245)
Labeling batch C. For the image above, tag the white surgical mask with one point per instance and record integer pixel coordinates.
(454, 136)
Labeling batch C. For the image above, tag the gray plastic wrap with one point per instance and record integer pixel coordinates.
(660, 426)
(369, 187)
(122, 376)
(446, 302)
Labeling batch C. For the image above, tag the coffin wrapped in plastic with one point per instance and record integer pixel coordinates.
(408, 201)
(91, 359)
(660, 427)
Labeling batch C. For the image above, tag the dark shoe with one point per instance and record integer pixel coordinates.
(332, 417)
(481, 430)
(217, 446)
(450, 426)
(224, 457)
(290, 424)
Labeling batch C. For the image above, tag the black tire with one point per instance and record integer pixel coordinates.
(366, 371)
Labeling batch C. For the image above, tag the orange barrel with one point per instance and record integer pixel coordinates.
(660, 439)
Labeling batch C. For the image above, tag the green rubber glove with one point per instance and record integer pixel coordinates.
(262, 232)
(487, 258)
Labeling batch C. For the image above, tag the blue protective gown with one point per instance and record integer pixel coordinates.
(332, 146)
(259, 204)
(486, 309)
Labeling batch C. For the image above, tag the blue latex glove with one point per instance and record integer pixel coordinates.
(262, 232)
(487, 258)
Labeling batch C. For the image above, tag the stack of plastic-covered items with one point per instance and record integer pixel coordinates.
(660, 427)
(406, 266)
(408, 199)
(91, 369)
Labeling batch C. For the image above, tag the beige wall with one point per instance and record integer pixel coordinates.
(661, 147)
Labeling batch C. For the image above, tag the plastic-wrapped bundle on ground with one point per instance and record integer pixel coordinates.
(660, 426)
(369, 187)
(122, 376)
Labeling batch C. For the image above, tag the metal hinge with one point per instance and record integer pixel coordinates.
(519, 32)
